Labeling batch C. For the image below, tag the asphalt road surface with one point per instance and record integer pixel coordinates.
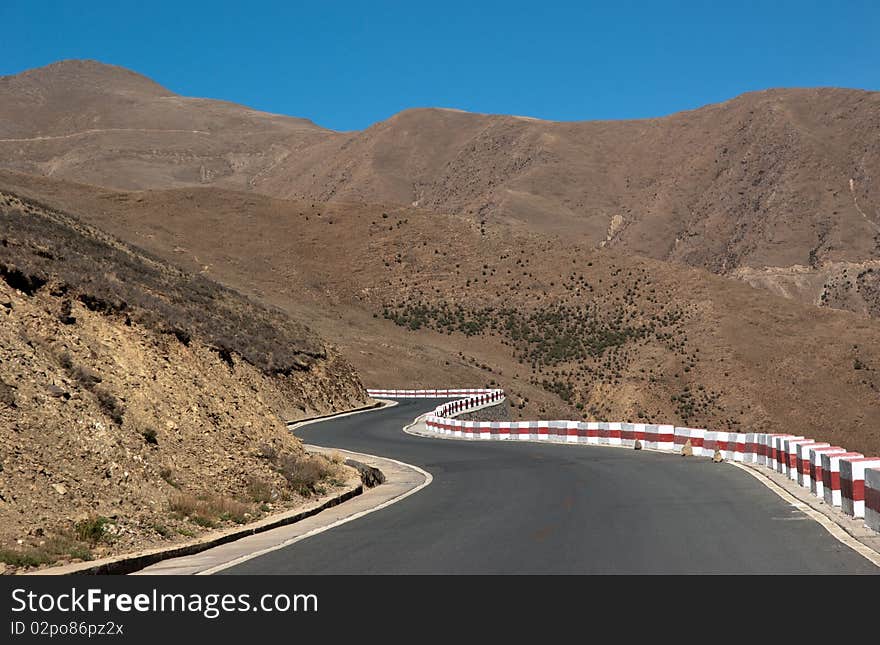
(505, 507)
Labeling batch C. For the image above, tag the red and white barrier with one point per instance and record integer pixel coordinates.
(831, 475)
(695, 435)
(750, 453)
(841, 478)
(791, 450)
(660, 437)
(628, 434)
(770, 442)
(761, 448)
(731, 445)
(781, 454)
(572, 431)
(817, 480)
(872, 499)
(852, 483)
(804, 471)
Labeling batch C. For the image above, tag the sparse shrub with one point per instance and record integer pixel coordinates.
(161, 529)
(259, 490)
(304, 472)
(91, 529)
(267, 451)
(110, 405)
(182, 335)
(82, 375)
(169, 477)
(207, 510)
(150, 436)
(201, 520)
(7, 395)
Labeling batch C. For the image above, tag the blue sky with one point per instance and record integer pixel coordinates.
(346, 65)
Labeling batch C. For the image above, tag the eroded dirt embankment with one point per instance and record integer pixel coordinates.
(140, 405)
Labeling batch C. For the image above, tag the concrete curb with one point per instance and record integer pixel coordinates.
(846, 529)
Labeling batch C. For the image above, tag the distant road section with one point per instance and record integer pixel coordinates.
(507, 507)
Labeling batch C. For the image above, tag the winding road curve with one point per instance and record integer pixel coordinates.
(505, 507)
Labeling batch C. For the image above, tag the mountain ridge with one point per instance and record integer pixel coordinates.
(750, 188)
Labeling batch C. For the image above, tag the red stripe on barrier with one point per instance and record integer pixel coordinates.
(872, 499)
(854, 490)
(831, 480)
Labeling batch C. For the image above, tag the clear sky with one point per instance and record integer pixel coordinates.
(346, 65)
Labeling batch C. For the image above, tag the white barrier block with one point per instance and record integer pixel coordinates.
(803, 461)
(817, 482)
(750, 454)
(594, 432)
(614, 434)
(761, 448)
(709, 440)
(627, 435)
(852, 483)
(738, 443)
(791, 445)
(831, 475)
(519, 430)
(665, 437)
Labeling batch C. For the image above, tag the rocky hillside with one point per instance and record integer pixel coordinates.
(420, 300)
(139, 404)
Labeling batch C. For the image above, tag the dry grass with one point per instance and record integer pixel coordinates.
(310, 474)
(259, 490)
(209, 510)
(58, 547)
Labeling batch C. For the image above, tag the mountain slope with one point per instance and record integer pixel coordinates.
(762, 180)
(418, 300)
(106, 125)
(139, 404)
(778, 188)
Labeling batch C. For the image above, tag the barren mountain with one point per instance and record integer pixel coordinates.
(415, 299)
(106, 125)
(139, 404)
(778, 188)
